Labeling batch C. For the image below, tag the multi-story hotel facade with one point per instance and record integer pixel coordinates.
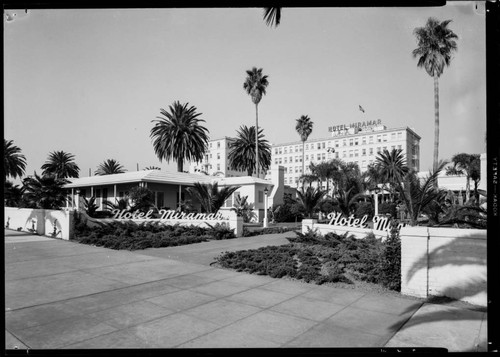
(216, 160)
(356, 142)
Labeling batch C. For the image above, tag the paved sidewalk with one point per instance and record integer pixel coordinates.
(61, 294)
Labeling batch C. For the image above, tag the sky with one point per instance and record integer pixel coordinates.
(91, 82)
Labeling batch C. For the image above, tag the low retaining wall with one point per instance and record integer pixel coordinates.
(40, 221)
(233, 221)
(444, 262)
(324, 228)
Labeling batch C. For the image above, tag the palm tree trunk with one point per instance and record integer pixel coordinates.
(257, 140)
(180, 165)
(436, 123)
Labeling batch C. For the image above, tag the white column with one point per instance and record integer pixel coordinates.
(265, 211)
(73, 198)
(376, 204)
(114, 193)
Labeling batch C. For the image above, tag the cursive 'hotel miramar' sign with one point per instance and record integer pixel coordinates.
(380, 223)
(166, 215)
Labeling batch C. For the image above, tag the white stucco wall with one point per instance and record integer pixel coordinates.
(444, 262)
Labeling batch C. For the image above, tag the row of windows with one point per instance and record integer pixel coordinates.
(343, 154)
(379, 138)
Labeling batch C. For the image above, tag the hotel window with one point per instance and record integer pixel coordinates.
(285, 151)
(291, 159)
(218, 144)
(371, 151)
(336, 155)
(336, 143)
(319, 157)
(344, 154)
(385, 147)
(296, 148)
(350, 153)
(276, 161)
(379, 138)
(280, 161)
(393, 136)
(307, 157)
(344, 142)
(363, 163)
(356, 153)
(363, 152)
(351, 142)
(210, 155)
(400, 135)
(276, 151)
(363, 140)
(300, 148)
(319, 146)
(307, 146)
(378, 149)
(218, 156)
(370, 139)
(323, 156)
(385, 137)
(322, 145)
(399, 147)
(356, 141)
(286, 160)
(280, 151)
(218, 167)
(393, 147)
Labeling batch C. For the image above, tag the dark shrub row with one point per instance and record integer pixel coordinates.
(270, 230)
(132, 236)
(320, 259)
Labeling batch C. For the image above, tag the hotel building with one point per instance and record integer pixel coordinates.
(216, 160)
(357, 142)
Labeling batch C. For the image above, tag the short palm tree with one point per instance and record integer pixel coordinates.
(152, 168)
(61, 164)
(272, 16)
(45, 192)
(310, 199)
(178, 135)
(255, 85)
(210, 196)
(304, 127)
(109, 167)
(468, 165)
(391, 166)
(14, 163)
(418, 195)
(12, 194)
(436, 42)
(242, 151)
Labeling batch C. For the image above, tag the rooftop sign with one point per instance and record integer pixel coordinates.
(343, 128)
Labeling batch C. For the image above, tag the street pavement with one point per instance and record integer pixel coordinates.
(65, 295)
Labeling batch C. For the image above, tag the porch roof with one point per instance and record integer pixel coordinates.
(153, 176)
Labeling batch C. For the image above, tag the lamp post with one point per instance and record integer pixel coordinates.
(266, 191)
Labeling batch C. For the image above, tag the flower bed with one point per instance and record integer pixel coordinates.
(324, 259)
(132, 236)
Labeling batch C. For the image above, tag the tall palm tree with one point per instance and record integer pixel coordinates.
(436, 42)
(210, 196)
(304, 127)
(391, 167)
(12, 194)
(178, 135)
(14, 163)
(45, 192)
(468, 165)
(272, 16)
(255, 85)
(242, 151)
(61, 164)
(109, 167)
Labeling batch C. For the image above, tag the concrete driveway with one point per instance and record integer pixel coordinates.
(60, 294)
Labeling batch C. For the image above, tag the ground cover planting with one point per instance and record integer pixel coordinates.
(331, 258)
(132, 236)
(270, 230)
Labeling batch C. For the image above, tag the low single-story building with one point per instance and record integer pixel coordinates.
(169, 188)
